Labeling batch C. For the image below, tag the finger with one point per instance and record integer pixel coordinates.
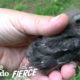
(36, 24)
(43, 25)
(68, 71)
(55, 75)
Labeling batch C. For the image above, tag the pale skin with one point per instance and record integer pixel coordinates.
(18, 29)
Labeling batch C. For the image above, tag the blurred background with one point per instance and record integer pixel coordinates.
(41, 7)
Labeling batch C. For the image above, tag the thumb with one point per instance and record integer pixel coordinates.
(15, 25)
(36, 24)
(42, 25)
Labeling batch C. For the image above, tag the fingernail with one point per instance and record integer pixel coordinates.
(57, 17)
(74, 65)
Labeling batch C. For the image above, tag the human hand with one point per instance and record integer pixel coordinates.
(16, 33)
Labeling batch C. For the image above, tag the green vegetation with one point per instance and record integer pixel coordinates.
(42, 7)
(77, 77)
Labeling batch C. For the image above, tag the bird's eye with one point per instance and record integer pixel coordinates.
(77, 19)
